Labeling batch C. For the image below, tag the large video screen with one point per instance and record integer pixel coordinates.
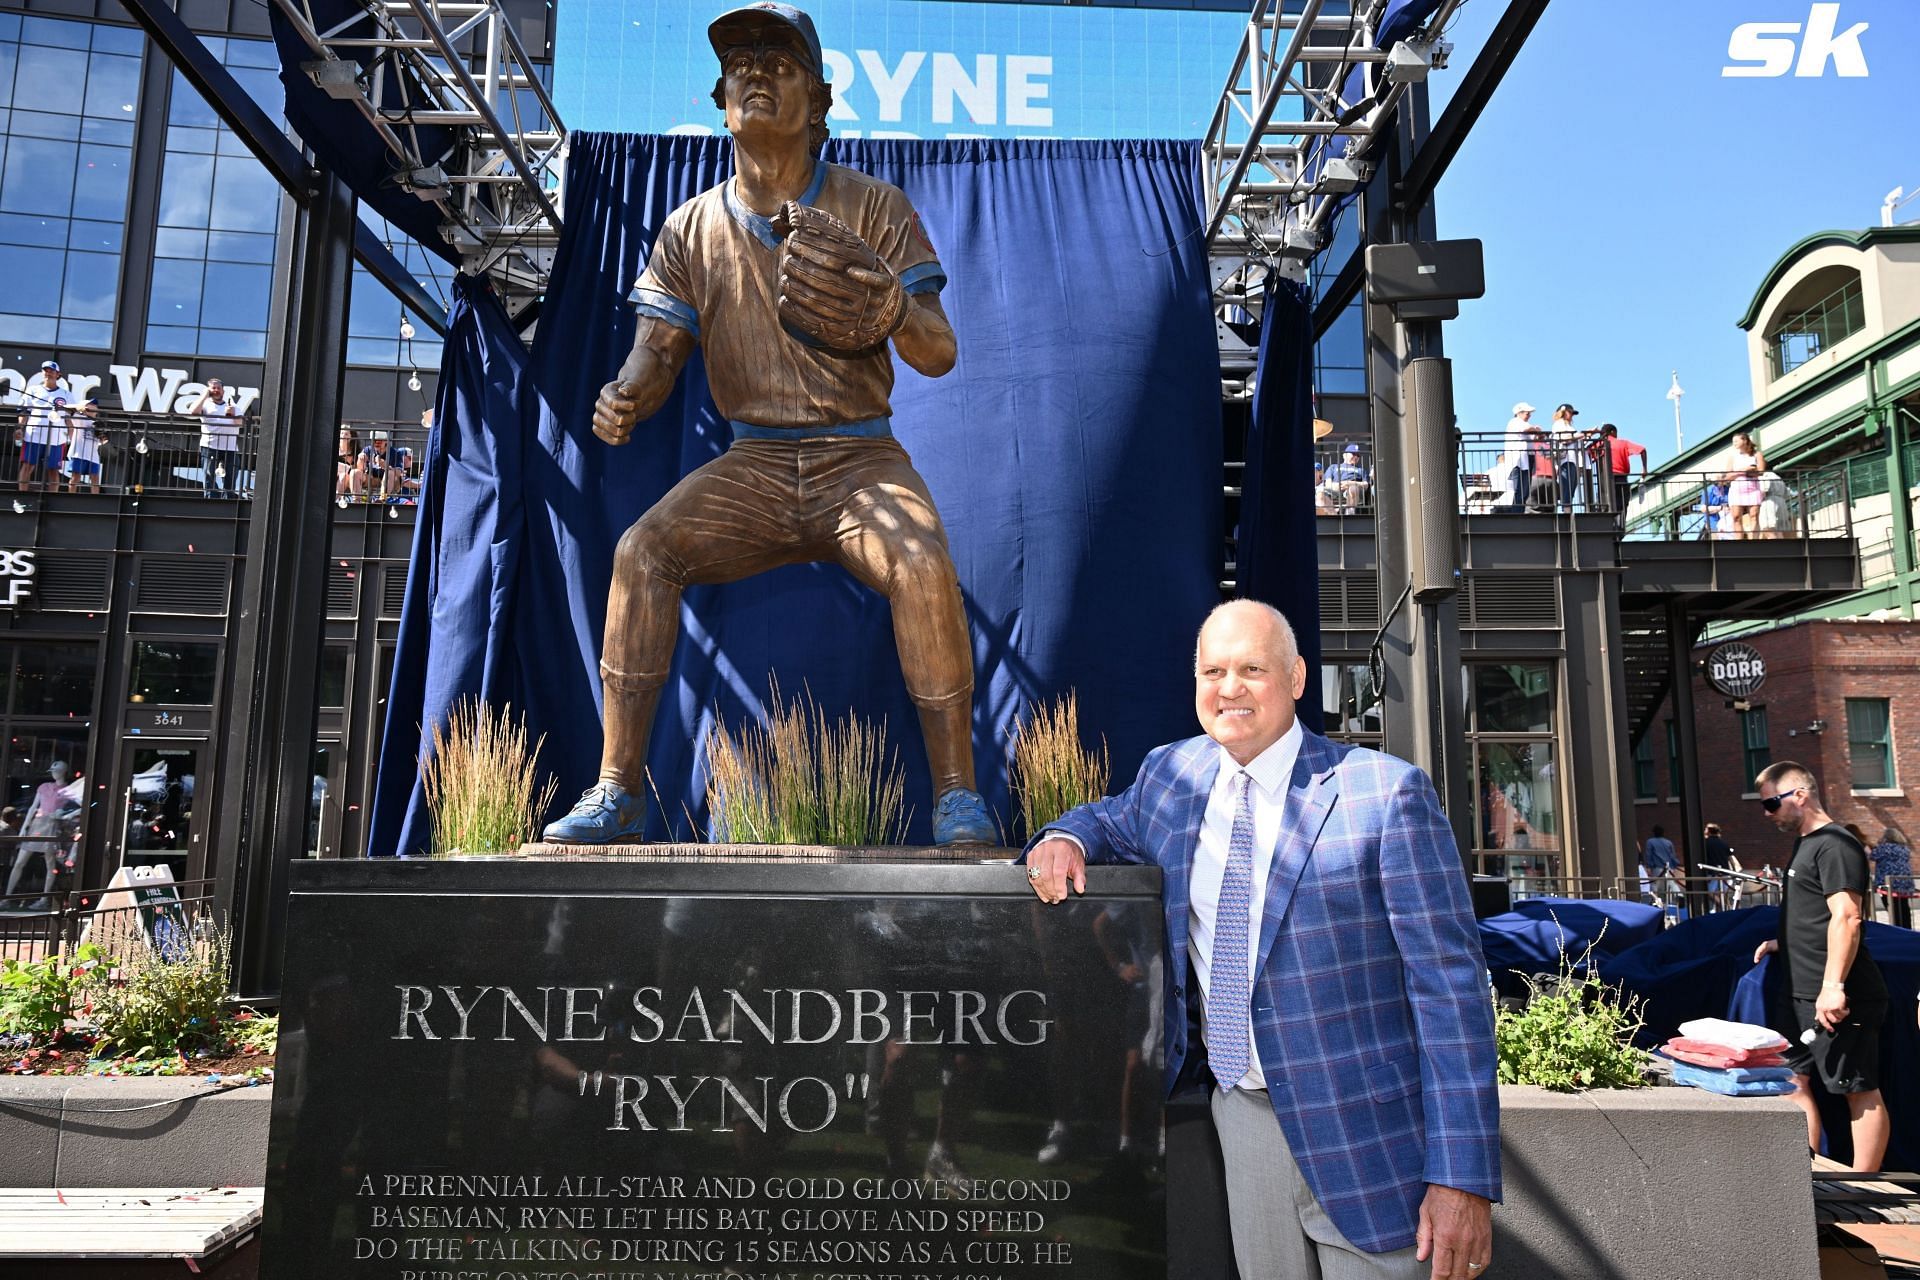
(914, 68)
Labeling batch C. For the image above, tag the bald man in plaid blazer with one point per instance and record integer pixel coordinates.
(1324, 974)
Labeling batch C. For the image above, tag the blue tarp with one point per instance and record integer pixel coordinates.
(1075, 454)
(1532, 938)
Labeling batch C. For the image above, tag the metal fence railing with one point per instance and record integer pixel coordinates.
(1680, 505)
(123, 453)
(1545, 473)
(37, 925)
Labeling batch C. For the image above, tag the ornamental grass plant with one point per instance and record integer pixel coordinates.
(1573, 1033)
(1051, 771)
(801, 778)
(482, 780)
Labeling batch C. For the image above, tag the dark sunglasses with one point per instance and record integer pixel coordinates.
(1772, 803)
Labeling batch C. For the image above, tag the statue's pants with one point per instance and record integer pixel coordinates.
(854, 502)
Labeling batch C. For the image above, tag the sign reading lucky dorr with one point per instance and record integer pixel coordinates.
(1736, 670)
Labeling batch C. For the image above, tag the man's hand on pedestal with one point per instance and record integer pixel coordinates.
(1053, 863)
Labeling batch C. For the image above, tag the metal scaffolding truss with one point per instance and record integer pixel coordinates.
(421, 68)
(1310, 96)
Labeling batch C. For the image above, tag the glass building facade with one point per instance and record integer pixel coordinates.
(69, 105)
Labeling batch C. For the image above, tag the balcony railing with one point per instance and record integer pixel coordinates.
(1572, 474)
(162, 453)
(1682, 505)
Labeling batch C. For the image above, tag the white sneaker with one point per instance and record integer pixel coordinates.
(1055, 1148)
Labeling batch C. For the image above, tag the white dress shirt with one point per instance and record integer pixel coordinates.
(1271, 772)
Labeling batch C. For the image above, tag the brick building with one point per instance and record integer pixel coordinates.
(1841, 697)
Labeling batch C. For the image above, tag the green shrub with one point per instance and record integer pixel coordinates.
(1050, 771)
(39, 997)
(481, 780)
(803, 779)
(1573, 1034)
(166, 1005)
(252, 1032)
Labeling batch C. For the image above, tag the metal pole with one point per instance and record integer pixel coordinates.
(1692, 812)
(1421, 653)
(265, 791)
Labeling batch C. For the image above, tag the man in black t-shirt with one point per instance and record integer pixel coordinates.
(1831, 1001)
(1716, 852)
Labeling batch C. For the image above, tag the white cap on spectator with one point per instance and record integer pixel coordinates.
(50, 364)
(1523, 407)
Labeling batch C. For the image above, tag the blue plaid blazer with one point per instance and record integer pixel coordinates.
(1371, 1012)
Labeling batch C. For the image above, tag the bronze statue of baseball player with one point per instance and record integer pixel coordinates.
(794, 275)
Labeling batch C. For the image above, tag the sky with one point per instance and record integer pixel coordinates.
(1631, 199)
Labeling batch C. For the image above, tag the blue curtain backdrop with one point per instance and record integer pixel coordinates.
(1074, 454)
(1276, 547)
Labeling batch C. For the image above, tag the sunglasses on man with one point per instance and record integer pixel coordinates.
(1772, 803)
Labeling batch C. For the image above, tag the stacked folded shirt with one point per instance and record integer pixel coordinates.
(1734, 1058)
(1737, 1082)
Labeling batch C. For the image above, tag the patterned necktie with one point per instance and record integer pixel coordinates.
(1229, 981)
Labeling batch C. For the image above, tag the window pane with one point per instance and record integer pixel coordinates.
(1347, 696)
(38, 177)
(100, 183)
(86, 333)
(333, 676)
(1869, 743)
(26, 328)
(1643, 785)
(172, 672)
(53, 679)
(18, 228)
(1513, 698)
(240, 246)
(176, 292)
(113, 85)
(30, 754)
(33, 279)
(236, 295)
(92, 285)
(96, 237)
(186, 190)
(245, 196)
(1518, 795)
(48, 75)
(108, 39)
(1758, 751)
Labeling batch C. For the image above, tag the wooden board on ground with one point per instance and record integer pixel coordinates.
(126, 1223)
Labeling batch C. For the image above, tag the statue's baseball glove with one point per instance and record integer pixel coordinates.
(835, 292)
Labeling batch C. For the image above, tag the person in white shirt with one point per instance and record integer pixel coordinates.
(1513, 463)
(43, 423)
(219, 418)
(83, 448)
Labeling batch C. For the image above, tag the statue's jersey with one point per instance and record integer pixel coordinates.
(715, 272)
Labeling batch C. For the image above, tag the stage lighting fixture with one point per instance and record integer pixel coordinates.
(1342, 175)
(335, 77)
(1409, 61)
(429, 182)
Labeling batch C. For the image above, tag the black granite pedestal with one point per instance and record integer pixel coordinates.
(631, 1069)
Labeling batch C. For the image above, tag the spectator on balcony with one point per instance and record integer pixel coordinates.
(1575, 470)
(1513, 475)
(84, 438)
(1893, 874)
(219, 416)
(1744, 491)
(1620, 455)
(1543, 488)
(42, 424)
(1346, 480)
(373, 473)
(346, 454)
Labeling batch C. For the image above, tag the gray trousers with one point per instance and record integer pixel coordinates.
(1280, 1232)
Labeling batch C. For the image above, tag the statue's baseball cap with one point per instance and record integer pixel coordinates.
(768, 23)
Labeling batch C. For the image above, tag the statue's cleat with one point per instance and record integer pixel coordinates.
(960, 817)
(605, 814)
